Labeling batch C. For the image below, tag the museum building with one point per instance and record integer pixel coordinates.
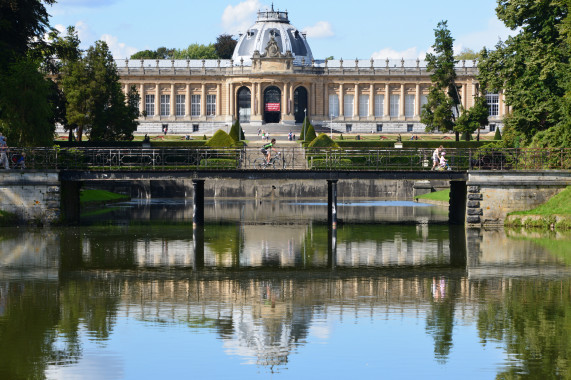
(273, 81)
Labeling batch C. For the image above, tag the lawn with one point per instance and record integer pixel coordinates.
(559, 204)
(442, 196)
(91, 196)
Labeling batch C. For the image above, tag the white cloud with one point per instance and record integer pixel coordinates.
(237, 19)
(410, 53)
(321, 29)
(119, 49)
(488, 37)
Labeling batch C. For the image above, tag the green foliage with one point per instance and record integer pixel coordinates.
(443, 95)
(93, 196)
(467, 54)
(323, 141)
(160, 53)
(442, 196)
(95, 100)
(219, 163)
(179, 144)
(559, 204)
(236, 132)
(473, 119)
(224, 46)
(196, 51)
(497, 135)
(304, 127)
(8, 219)
(221, 139)
(27, 117)
(310, 134)
(532, 67)
(409, 144)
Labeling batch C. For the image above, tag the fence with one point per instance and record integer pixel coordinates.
(164, 159)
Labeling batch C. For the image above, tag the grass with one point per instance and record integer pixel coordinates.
(442, 196)
(559, 204)
(99, 196)
(7, 218)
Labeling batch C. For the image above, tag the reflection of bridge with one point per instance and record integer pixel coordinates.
(476, 196)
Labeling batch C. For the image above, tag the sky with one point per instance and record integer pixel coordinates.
(360, 29)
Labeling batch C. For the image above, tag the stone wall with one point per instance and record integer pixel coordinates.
(494, 194)
(33, 196)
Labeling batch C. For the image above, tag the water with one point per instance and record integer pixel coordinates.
(268, 290)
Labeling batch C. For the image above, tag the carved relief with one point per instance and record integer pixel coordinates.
(272, 49)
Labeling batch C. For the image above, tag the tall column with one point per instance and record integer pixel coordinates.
(253, 99)
(231, 100)
(203, 100)
(260, 111)
(173, 101)
(158, 99)
(187, 101)
(401, 104)
(341, 99)
(417, 101)
(284, 101)
(387, 105)
(290, 104)
(313, 107)
(142, 99)
(356, 101)
(465, 95)
(372, 100)
(218, 99)
(500, 104)
(326, 112)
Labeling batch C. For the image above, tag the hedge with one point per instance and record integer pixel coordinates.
(409, 144)
(218, 163)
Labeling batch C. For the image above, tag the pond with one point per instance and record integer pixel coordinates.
(270, 290)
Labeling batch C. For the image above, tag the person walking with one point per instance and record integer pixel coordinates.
(436, 157)
(4, 153)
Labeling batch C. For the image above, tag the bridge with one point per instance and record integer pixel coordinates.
(485, 185)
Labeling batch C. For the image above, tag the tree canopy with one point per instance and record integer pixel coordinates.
(222, 49)
(439, 113)
(533, 71)
(224, 46)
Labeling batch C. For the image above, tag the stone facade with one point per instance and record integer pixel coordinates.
(275, 88)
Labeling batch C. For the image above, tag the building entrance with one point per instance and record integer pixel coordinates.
(244, 104)
(299, 104)
(272, 105)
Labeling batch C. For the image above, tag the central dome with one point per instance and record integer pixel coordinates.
(273, 24)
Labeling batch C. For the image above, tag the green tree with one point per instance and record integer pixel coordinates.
(224, 46)
(196, 51)
(160, 53)
(532, 68)
(236, 131)
(474, 118)
(443, 98)
(96, 102)
(26, 113)
(467, 54)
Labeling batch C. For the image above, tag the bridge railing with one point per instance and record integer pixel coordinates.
(164, 159)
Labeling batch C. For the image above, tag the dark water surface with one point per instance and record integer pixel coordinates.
(269, 291)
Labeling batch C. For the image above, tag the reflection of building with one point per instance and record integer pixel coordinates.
(273, 78)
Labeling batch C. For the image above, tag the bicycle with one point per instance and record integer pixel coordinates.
(261, 163)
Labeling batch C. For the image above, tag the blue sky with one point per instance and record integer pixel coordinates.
(343, 29)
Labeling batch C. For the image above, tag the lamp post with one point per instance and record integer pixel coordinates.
(304, 123)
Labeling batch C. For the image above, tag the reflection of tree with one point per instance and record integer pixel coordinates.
(31, 311)
(223, 240)
(440, 319)
(533, 319)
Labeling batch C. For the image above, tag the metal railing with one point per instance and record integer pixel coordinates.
(386, 159)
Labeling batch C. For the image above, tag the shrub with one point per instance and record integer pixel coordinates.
(310, 133)
(221, 139)
(236, 132)
(323, 141)
(218, 163)
(498, 135)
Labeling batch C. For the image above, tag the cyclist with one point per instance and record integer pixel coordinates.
(267, 148)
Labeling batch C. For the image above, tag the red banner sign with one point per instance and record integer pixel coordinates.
(272, 107)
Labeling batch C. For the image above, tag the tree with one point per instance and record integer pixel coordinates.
(467, 54)
(224, 46)
(26, 114)
(532, 68)
(196, 51)
(474, 118)
(96, 102)
(443, 98)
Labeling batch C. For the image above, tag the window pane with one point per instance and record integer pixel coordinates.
(493, 101)
(395, 102)
(180, 105)
(363, 105)
(150, 105)
(334, 105)
(409, 105)
(379, 105)
(210, 105)
(195, 105)
(348, 106)
(165, 105)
